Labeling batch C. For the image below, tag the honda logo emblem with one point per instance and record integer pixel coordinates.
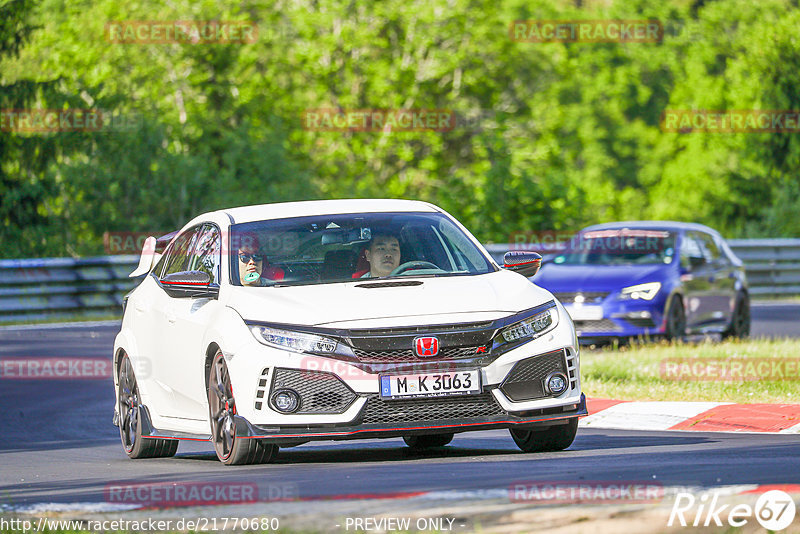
(426, 347)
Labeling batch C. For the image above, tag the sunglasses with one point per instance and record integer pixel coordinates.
(245, 258)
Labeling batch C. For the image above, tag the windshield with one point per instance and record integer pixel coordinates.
(343, 248)
(624, 246)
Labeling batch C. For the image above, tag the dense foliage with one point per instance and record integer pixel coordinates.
(555, 136)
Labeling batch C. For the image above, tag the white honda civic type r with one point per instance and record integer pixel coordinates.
(274, 325)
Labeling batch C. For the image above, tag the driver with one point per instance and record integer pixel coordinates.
(383, 255)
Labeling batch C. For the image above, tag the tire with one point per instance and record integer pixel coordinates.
(555, 438)
(740, 322)
(129, 408)
(231, 449)
(428, 441)
(676, 319)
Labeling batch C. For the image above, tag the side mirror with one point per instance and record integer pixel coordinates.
(189, 284)
(525, 263)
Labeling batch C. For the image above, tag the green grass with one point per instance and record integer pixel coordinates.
(634, 373)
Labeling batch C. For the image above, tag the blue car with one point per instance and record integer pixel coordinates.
(649, 279)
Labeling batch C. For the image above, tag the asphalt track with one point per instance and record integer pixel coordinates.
(57, 444)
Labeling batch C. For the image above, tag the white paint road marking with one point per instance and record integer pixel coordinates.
(791, 430)
(647, 415)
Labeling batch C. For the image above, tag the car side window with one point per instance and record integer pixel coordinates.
(180, 252)
(710, 249)
(206, 256)
(724, 258)
(690, 248)
(159, 268)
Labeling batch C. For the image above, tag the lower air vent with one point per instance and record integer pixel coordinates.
(379, 411)
(526, 379)
(261, 389)
(319, 392)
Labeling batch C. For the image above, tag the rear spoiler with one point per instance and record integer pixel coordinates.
(152, 250)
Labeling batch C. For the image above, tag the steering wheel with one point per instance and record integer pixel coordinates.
(413, 265)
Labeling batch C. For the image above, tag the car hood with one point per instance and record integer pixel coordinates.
(442, 300)
(562, 278)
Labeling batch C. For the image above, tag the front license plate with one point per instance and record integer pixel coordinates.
(431, 384)
(585, 313)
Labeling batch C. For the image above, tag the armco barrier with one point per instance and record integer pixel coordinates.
(772, 265)
(35, 289)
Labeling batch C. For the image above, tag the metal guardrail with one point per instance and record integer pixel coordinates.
(36, 289)
(773, 265)
(51, 288)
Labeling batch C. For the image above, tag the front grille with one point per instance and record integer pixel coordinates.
(526, 379)
(416, 330)
(602, 326)
(408, 355)
(589, 297)
(320, 392)
(379, 411)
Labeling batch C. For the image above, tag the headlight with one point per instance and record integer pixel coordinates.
(641, 291)
(294, 341)
(532, 327)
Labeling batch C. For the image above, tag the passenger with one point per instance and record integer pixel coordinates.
(254, 269)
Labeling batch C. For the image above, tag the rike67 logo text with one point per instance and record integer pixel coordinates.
(774, 510)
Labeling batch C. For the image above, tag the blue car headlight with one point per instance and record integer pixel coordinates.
(640, 291)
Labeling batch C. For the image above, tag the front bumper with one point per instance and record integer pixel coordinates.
(621, 319)
(541, 418)
(535, 418)
(343, 392)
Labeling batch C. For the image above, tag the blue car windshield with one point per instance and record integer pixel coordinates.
(325, 249)
(623, 246)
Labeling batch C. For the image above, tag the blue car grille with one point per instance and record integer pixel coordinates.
(601, 326)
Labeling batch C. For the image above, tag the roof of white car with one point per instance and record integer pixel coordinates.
(285, 210)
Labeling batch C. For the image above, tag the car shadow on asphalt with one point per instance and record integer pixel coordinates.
(389, 452)
(360, 454)
(597, 440)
